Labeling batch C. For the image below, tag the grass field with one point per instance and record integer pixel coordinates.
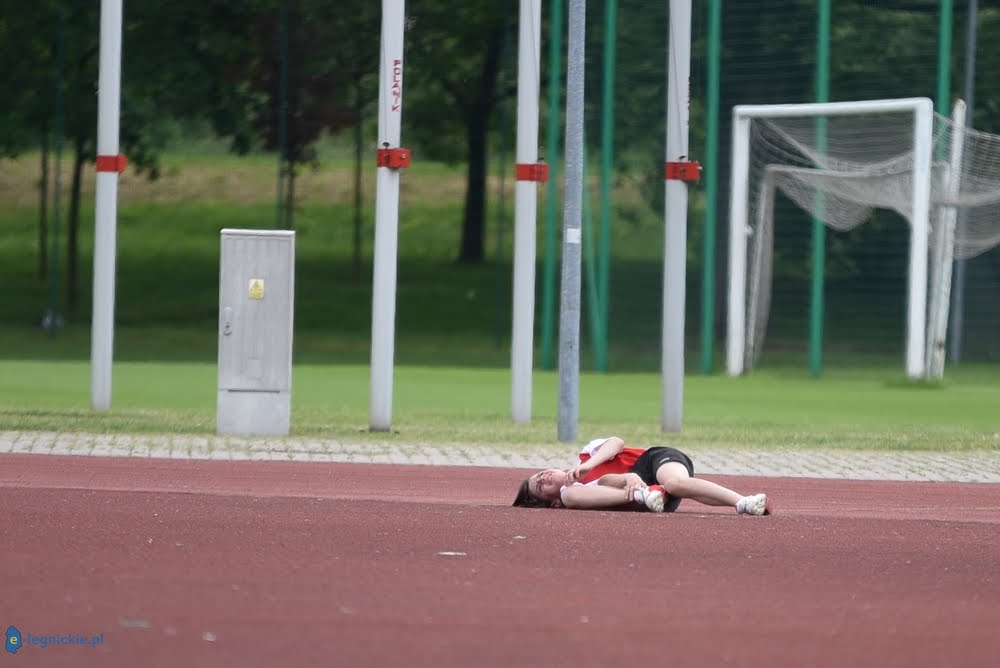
(452, 342)
(846, 410)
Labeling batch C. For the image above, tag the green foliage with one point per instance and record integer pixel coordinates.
(986, 114)
(453, 58)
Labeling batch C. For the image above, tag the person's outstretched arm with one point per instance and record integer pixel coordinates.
(627, 481)
(592, 497)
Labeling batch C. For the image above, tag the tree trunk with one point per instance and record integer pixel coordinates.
(473, 220)
(43, 211)
(73, 243)
(358, 149)
(478, 111)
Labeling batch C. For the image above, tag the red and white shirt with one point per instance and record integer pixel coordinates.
(620, 463)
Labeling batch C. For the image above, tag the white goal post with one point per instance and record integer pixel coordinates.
(919, 182)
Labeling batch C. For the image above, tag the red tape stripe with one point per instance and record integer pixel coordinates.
(112, 163)
(532, 171)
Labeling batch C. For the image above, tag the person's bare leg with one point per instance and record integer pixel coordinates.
(674, 478)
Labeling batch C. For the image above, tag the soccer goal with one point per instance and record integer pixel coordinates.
(839, 161)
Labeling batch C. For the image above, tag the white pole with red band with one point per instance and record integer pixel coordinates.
(529, 173)
(110, 163)
(390, 159)
(678, 170)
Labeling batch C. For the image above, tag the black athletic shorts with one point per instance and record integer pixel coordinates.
(652, 459)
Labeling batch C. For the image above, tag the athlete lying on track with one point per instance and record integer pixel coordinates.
(610, 475)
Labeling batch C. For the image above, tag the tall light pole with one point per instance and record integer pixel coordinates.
(110, 163)
(569, 308)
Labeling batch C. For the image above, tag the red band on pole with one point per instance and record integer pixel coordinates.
(394, 158)
(532, 172)
(112, 163)
(682, 171)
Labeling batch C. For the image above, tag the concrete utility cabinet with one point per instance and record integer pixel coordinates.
(256, 305)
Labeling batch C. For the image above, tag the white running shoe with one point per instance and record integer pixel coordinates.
(753, 505)
(652, 497)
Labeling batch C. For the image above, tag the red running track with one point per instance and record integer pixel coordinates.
(203, 563)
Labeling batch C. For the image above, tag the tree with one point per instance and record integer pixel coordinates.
(177, 62)
(352, 32)
(453, 58)
(28, 35)
(302, 83)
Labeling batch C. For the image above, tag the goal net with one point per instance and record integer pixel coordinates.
(841, 161)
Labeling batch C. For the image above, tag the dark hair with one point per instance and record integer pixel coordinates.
(525, 499)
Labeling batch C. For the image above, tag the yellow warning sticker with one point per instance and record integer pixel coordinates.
(256, 290)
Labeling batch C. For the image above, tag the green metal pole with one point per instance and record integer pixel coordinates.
(711, 183)
(607, 162)
(499, 311)
(591, 273)
(282, 214)
(552, 190)
(942, 102)
(500, 284)
(818, 231)
(52, 319)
